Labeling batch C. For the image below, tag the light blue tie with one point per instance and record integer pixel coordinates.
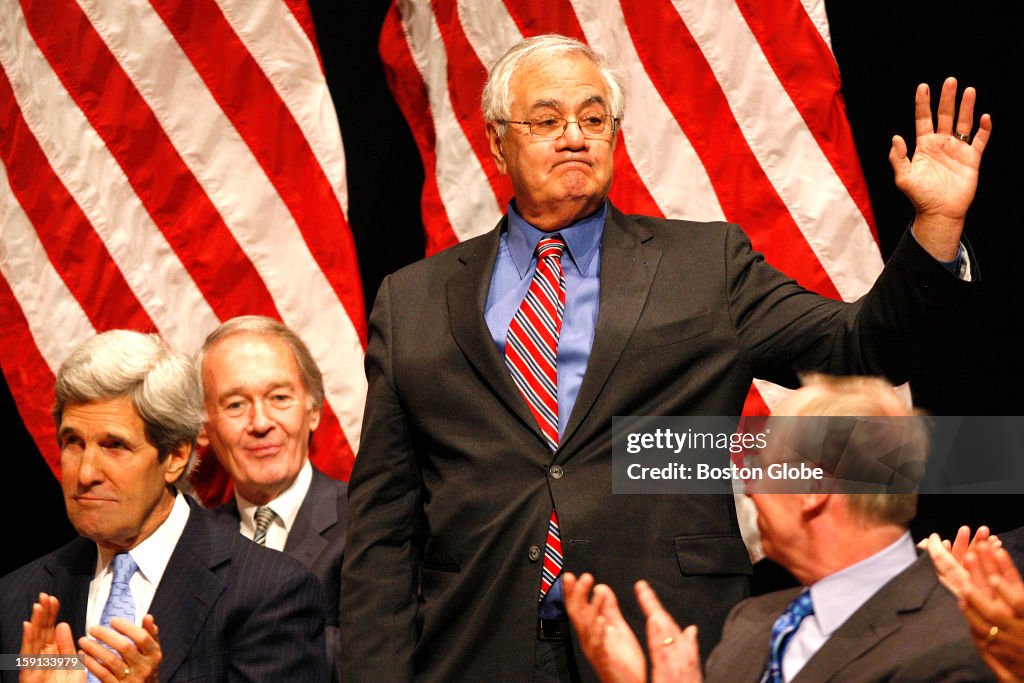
(785, 626)
(120, 602)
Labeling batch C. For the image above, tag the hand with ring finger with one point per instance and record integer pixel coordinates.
(993, 605)
(124, 653)
(675, 656)
(941, 176)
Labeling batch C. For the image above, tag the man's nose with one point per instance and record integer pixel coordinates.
(260, 421)
(572, 137)
(89, 471)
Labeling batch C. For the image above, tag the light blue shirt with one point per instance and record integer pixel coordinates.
(839, 595)
(513, 272)
(581, 264)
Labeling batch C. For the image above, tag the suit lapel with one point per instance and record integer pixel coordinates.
(628, 266)
(877, 619)
(467, 296)
(72, 571)
(742, 655)
(319, 512)
(189, 588)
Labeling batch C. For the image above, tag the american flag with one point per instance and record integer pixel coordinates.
(733, 113)
(170, 164)
(166, 165)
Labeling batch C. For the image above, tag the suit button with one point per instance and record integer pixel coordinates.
(534, 553)
(556, 472)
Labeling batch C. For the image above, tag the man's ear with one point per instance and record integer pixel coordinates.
(495, 139)
(176, 462)
(203, 439)
(814, 503)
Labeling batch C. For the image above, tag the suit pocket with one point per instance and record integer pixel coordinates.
(435, 579)
(665, 334)
(712, 554)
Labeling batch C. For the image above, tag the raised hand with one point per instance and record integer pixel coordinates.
(42, 635)
(941, 177)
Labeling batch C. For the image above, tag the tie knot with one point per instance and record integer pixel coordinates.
(264, 516)
(124, 567)
(550, 247)
(801, 606)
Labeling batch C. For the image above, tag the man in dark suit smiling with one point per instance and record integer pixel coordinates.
(263, 394)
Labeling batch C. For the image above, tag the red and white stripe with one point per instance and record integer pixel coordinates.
(531, 346)
(733, 113)
(166, 165)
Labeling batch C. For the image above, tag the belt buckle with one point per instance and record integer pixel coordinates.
(550, 629)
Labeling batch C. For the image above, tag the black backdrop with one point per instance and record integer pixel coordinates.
(883, 51)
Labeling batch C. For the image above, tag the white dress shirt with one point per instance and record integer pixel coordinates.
(285, 506)
(151, 556)
(838, 596)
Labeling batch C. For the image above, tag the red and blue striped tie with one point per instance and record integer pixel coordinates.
(531, 350)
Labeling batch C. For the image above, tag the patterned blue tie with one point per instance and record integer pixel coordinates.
(120, 603)
(784, 627)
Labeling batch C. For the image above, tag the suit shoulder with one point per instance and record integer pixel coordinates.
(444, 261)
(249, 562)
(759, 607)
(21, 587)
(254, 561)
(322, 479)
(226, 513)
(669, 227)
(682, 241)
(16, 577)
(28, 574)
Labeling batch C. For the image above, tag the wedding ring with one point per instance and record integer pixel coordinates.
(962, 137)
(992, 633)
(668, 641)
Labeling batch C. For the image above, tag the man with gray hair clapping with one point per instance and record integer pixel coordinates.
(871, 608)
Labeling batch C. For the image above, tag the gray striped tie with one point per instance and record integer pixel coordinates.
(264, 516)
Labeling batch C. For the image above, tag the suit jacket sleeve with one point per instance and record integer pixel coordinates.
(787, 329)
(379, 576)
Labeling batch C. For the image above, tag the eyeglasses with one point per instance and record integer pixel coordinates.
(552, 127)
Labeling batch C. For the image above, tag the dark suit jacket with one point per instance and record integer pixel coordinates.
(910, 630)
(227, 609)
(317, 540)
(452, 489)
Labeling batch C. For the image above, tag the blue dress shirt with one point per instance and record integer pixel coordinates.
(513, 272)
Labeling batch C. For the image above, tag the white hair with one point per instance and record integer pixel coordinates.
(161, 384)
(496, 99)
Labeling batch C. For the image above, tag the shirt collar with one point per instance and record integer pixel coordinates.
(839, 595)
(582, 238)
(285, 506)
(153, 554)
